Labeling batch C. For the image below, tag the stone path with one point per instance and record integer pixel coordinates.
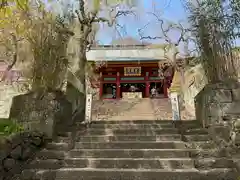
(141, 111)
(136, 109)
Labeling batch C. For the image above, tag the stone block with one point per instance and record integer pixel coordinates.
(232, 108)
(237, 139)
(9, 163)
(220, 132)
(236, 94)
(237, 124)
(17, 152)
(213, 120)
(221, 96)
(214, 110)
(41, 111)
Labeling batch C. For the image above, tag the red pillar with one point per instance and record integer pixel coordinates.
(118, 86)
(147, 85)
(165, 88)
(147, 89)
(101, 86)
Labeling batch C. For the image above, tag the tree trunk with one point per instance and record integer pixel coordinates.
(82, 65)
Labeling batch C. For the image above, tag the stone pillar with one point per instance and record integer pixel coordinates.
(100, 86)
(217, 108)
(118, 86)
(147, 88)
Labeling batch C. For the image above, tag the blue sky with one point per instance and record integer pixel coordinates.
(171, 10)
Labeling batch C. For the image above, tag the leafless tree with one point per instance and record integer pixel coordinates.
(87, 18)
(171, 46)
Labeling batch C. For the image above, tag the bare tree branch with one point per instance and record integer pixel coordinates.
(110, 22)
(165, 31)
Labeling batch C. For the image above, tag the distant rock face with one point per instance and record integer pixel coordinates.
(41, 111)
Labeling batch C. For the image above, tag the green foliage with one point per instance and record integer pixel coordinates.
(215, 31)
(8, 127)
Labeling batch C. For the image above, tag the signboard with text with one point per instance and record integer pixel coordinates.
(88, 108)
(175, 106)
(132, 71)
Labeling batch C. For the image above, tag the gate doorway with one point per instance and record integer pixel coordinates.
(133, 87)
(159, 86)
(109, 91)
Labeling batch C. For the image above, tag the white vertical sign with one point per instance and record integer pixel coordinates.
(175, 106)
(88, 108)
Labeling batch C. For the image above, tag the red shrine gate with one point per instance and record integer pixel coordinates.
(145, 75)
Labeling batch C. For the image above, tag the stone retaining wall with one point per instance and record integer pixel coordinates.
(217, 107)
(17, 150)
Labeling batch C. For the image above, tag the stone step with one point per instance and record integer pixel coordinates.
(129, 126)
(64, 133)
(201, 153)
(145, 132)
(51, 154)
(103, 138)
(129, 174)
(133, 131)
(116, 132)
(132, 163)
(145, 122)
(200, 137)
(157, 138)
(199, 131)
(45, 164)
(133, 145)
(129, 153)
(57, 146)
(129, 132)
(141, 126)
(201, 145)
(111, 163)
(208, 163)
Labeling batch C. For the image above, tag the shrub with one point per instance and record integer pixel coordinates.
(8, 127)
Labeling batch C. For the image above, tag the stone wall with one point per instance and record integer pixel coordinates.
(7, 92)
(217, 107)
(17, 150)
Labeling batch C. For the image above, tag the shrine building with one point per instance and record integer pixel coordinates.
(131, 70)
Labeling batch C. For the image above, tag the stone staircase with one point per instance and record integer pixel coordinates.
(131, 150)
